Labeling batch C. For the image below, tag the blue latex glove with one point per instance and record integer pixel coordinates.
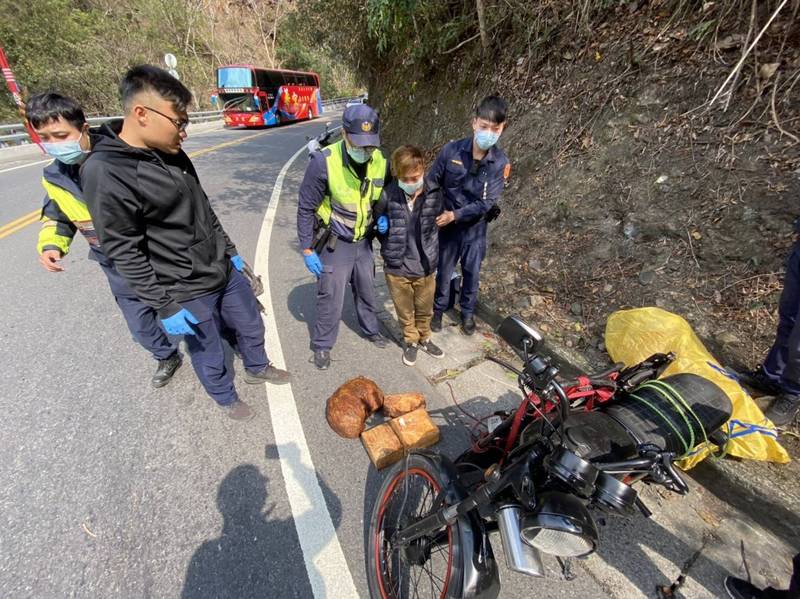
(238, 262)
(313, 264)
(179, 324)
(383, 224)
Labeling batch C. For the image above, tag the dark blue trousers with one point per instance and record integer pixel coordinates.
(142, 319)
(231, 309)
(466, 245)
(348, 263)
(783, 361)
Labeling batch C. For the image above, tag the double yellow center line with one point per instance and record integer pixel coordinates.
(20, 223)
(32, 217)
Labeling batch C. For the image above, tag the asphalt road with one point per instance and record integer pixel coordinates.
(109, 488)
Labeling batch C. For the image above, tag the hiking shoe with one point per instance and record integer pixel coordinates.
(240, 411)
(741, 589)
(436, 322)
(468, 324)
(270, 374)
(783, 410)
(758, 379)
(378, 340)
(166, 369)
(430, 348)
(322, 358)
(410, 354)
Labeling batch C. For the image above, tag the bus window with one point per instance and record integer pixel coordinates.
(262, 80)
(234, 77)
(275, 80)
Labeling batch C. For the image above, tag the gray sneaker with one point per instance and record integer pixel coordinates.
(410, 354)
(430, 348)
(783, 409)
(270, 374)
(240, 411)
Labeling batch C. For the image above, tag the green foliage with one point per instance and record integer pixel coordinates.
(82, 47)
(294, 52)
(49, 44)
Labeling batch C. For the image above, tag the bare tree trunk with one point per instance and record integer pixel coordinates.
(277, 18)
(482, 24)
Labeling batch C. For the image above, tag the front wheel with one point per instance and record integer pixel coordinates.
(428, 567)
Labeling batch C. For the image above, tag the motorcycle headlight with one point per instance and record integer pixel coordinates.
(561, 525)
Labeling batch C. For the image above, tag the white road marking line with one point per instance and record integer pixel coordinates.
(13, 168)
(324, 559)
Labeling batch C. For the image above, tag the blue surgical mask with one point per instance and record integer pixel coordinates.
(68, 152)
(486, 139)
(410, 188)
(359, 155)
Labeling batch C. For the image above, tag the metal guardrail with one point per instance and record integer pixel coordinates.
(16, 134)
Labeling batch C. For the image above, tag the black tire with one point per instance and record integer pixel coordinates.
(389, 573)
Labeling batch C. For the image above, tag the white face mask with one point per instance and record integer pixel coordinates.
(410, 188)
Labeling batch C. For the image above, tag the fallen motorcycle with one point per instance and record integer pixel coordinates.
(539, 477)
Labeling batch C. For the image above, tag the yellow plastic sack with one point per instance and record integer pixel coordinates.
(634, 335)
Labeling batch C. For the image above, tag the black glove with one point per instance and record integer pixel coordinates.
(492, 213)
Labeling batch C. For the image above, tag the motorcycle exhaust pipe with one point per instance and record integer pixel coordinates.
(520, 557)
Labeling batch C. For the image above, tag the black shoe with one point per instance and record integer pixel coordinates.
(166, 369)
(430, 348)
(240, 411)
(270, 374)
(741, 589)
(436, 322)
(410, 354)
(468, 325)
(757, 379)
(379, 340)
(783, 410)
(322, 358)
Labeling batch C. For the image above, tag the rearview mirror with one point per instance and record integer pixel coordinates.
(519, 335)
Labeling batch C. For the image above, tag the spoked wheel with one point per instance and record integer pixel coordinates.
(428, 567)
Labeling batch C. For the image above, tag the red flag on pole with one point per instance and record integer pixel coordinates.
(14, 89)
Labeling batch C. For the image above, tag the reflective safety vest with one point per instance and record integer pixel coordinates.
(349, 200)
(64, 212)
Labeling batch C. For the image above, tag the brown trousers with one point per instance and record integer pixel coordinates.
(413, 302)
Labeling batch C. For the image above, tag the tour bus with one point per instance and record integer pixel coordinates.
(254, 97)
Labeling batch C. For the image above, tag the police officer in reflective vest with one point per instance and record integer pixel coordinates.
(62, 126)
(470, 173)
(335, 226)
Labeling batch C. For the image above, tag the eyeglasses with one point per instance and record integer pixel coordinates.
(180, 124)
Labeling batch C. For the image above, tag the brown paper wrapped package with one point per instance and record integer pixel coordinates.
(402, 403)
(415, 429)
(382, 445)
(350, 405)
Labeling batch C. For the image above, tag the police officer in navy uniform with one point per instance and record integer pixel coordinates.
(471, 173)
(779, 375)
(335, 225)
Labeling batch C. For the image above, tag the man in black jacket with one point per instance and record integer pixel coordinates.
(156, 224)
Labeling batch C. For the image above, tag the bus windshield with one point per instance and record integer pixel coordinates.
(234, 77)
(239, 102)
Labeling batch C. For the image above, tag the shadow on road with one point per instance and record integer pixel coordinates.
(763, 509)
(252, 557)
(302, 304)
